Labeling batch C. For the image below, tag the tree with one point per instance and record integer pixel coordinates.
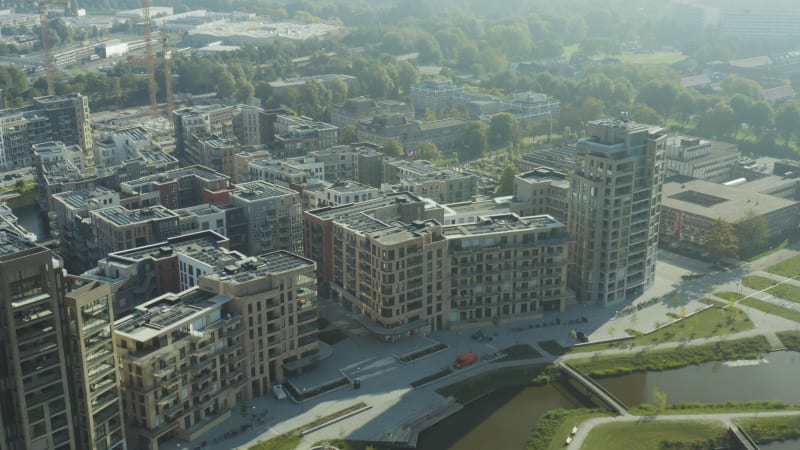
(393, 148)
(787, 119)
(659, 95)
(502, 128)
(719, 120)
(474, 140)
(514, 40)
(506, 184)
(760, 116)
(734, 84)
(741, 106)
(244, 91)
(226, 85)
(339, 90)
(428, 150)
(19, 185)
(720, 240)
(348, 134)
(753, 235)
(660, 399)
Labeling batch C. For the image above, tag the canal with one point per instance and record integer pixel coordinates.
(506, 418)
(33, 219)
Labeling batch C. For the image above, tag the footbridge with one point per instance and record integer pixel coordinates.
(592, 386)
(744, 439)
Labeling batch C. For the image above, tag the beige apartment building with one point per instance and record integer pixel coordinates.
(181, 361)
(276, 293)
(506, 268)
(95, 383)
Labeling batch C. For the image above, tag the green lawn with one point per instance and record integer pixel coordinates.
(786, 291)
(791, 339)
(282, 442)
(652, 435)
(758, 283)
(768, 429)
(769, 308)
(730, 296)
(519, 351)
(788, 268)
(711, 322)
(611, 365)
(713, 302)
(556, 424)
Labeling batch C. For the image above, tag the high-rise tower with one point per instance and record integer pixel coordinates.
(615, 205)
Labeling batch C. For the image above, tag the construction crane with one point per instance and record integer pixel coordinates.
(167, 73)
(149, 59)
(47, 58)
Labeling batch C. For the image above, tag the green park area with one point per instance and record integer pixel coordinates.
(791, 339)
(769, 429)
(785, 291)
(671, 358)
(708, 323)
(655, 435)
(788, 268)
(771, 308)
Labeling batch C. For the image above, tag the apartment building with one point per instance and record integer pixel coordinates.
(507, 268)
(94, 379)
(342, 192)
(273, 215)
(35, 405)
(117, 228)
(182, 188)
(276, 294)
(146, 272)
(212, 151)
(71, 223)
(69, 118)
(615, 206)
(541, 191)
(245, 123)
(181, 358)
(298, 135)
(423, 178)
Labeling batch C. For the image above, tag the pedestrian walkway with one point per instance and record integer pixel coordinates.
(599, 391)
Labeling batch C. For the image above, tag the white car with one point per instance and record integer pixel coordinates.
(278, 392)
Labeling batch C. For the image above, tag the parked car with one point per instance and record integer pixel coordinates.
(465, 359)
(581, 336)
(278, 392)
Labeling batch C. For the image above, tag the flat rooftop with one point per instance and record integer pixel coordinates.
(203, 240)
(541, 174)
(253, 268)
(259, 190)
(81, 199)
(12, 239)
(120, 216)
(729, 203)
(170, 310)
(399, 232)
(502, 223)
(340, 212)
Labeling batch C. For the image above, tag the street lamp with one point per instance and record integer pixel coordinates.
(414, 358)
(302, 399)
(252, 415)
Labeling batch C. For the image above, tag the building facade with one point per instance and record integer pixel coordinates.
(273, 215)
(615, 205)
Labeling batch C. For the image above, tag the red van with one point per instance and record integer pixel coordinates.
(465, 360)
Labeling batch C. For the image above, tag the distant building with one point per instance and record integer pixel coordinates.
(769, 20)
(296, 136)
(361, 108)
(339, 193)
(434, 95)
(541, 191)
(445, 133)
(701, 159)
(279, 87)
(689, 208)
(54, 118)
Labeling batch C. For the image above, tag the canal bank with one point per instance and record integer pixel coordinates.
(510, 415)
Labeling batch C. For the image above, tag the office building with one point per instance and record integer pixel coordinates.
(342, 192)
(434, 95)
(181, 188)
(615, 205)
(701, 159)
(273, 215)
(445, 133)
